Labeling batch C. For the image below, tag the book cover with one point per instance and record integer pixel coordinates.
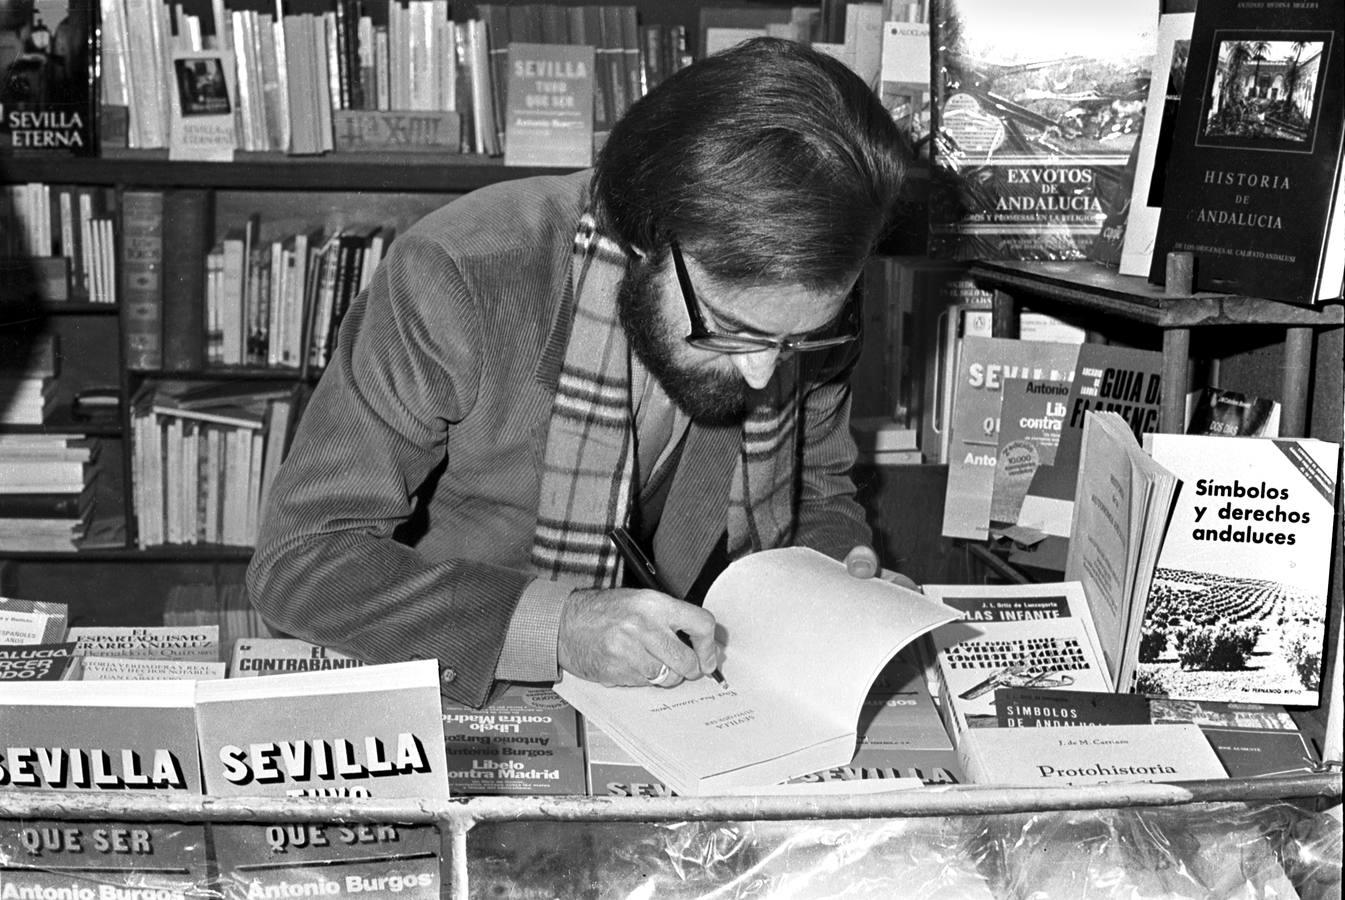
(525, 741)
(37, 662)
(1213, 410)
(797, 674)
(203, 106)
(1155, 143)
(1036, 635)
(1033, 116)
(197, 642)
(142, 277)
(368, 731)
(1088, 754)
(549, 118)
(903, 82)
(49, 84)
(1256, 157)
(32, 621)
(1024, 707)
(253, 656)
(1252, 740)
(1107, 377)
(983, 364)
(1237, 607)
(107, 736)
(136, 668)
(189, 219)
(1031, 414)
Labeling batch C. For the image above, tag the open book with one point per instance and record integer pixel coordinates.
(803, 643)
(1121, 507)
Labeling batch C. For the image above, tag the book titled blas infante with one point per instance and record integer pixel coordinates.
(803, 643)
(1237, 607)
(1253, 178)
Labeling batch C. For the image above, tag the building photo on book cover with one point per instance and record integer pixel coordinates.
(48, 76)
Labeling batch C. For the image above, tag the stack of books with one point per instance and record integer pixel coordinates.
(47, 490)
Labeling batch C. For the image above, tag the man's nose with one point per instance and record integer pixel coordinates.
(757, 367)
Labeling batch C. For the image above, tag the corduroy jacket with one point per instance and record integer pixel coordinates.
(400, 524)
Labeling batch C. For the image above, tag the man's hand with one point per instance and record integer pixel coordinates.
(862, 562)
(626, 636)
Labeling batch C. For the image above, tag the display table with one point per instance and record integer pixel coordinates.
(982, 841)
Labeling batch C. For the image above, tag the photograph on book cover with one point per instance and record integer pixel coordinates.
(49, 77)
(1237, 607)
(1034, 117)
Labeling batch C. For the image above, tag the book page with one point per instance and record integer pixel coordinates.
(804, 641)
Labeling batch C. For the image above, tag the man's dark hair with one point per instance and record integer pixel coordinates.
(770, 162)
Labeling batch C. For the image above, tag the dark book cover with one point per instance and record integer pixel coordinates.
(49, 77)
(187, 218)
(142, 278)
(1256, 156)
(1033, 118)
(37, 662)
(1025, 707)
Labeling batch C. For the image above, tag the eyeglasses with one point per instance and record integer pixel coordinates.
(846, 328)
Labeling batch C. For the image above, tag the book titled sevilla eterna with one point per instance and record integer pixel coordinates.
(49, 77)
(1253, 179)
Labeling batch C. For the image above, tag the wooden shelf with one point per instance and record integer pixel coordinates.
(1096, 288)
(449, 173)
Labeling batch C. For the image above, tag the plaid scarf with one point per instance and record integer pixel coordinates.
(588, 464)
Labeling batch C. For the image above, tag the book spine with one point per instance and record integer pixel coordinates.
(142, 278)
(186, 216)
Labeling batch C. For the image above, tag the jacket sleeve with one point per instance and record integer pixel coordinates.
(327, 567)
(830, 519)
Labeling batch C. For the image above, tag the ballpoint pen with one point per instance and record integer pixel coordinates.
(644, 570)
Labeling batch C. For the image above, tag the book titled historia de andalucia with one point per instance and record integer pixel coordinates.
(1253, 177)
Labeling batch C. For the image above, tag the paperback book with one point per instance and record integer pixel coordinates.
(1107, 377)
(119, 668)
(1018, 635)
(1088, 754)
(1213, 410)
(1031, 415)
(1025, 707)
(198, 642)
(253, 656)
(32, 621)
(1237, 607)
(796, 676)
(368, 731)
(525, 741)
(1033, 117)
(1252, 740)
(49, 77)
(1121, 508)
(1155, 143)
(1253, 186)
(38, 662)
(983, 364)
(108, 737)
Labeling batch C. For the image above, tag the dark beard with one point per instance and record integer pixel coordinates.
(709, 397)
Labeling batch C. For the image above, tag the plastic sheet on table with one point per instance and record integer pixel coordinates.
(1201, 851)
